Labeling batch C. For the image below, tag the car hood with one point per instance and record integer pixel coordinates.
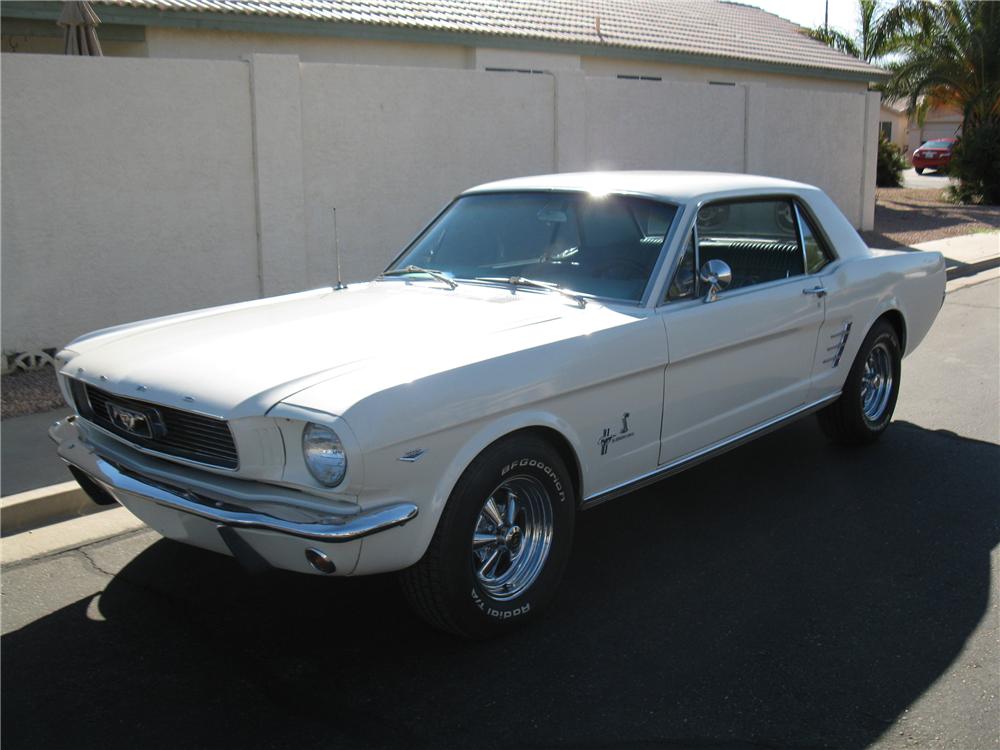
(240, 360)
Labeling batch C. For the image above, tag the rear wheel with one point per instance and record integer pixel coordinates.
(865, 406)
(502, 543)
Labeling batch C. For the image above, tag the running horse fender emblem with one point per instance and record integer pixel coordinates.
(607, 438)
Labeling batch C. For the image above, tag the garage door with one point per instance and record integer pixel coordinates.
(933, 130)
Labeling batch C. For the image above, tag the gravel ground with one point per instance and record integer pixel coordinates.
(31, 392)
(905, 217)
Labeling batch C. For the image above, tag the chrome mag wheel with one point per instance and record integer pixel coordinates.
(876, 382)
(512, 537)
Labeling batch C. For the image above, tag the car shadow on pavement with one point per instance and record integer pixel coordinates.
(788, 593)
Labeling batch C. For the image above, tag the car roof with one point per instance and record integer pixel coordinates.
(680, 186)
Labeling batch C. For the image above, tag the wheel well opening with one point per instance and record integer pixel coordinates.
(565, 450)
(895, 319)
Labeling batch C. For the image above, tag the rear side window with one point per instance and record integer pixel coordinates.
(817, 253)
(757, 239)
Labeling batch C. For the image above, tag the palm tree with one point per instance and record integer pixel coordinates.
(953, 58)
(883, 30)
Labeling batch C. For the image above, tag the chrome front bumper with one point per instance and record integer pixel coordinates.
(131, 484)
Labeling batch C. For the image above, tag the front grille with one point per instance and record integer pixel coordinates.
(186, 435)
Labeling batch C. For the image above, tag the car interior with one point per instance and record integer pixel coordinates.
(606, 246)
(756, 239)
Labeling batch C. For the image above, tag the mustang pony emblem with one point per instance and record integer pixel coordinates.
(607, 438)
(131, 421)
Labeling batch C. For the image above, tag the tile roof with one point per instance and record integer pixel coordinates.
(692, 27)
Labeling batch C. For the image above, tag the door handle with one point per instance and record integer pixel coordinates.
(819, 291)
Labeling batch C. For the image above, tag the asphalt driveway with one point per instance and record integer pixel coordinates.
(928, 180)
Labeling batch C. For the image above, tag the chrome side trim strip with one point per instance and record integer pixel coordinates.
(692, 459)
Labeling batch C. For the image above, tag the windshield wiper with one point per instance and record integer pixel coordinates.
(535, 284)
(436, 275)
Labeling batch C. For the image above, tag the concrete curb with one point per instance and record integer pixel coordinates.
(67, 535)
(46, 505)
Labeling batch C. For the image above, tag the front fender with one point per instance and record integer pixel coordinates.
(429, 481)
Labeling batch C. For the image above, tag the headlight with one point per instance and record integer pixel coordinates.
(324, 454)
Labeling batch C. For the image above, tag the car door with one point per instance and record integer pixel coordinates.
(743, 356)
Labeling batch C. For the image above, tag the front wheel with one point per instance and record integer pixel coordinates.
(919, 170)
(502, 543)
(865, 406)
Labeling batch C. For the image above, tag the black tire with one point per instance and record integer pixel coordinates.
(919, 170)
(443, 587)
(845, 421)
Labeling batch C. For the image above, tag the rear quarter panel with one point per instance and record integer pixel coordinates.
(861, 290)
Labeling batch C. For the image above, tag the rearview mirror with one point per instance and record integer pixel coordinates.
(552, 215)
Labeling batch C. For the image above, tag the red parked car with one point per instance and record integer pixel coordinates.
(933, 155)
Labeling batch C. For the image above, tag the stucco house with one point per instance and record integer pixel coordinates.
(706, 41)
(907, 133)
(893, 123)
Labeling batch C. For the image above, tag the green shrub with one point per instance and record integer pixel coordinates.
(976, 163)
(890, 166)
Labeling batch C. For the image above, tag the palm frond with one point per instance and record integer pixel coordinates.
(836, 39)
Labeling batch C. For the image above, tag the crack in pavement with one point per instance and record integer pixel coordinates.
(93, 563)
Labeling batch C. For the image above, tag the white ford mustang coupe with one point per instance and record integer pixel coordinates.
(544, 345)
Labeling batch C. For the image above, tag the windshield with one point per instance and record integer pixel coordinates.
(937, 144)
(606, 246)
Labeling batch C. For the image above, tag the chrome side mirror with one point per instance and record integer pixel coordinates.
(717, 274)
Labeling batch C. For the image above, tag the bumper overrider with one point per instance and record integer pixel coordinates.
(292, 536)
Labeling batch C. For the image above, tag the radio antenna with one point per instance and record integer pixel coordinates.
(336, 252)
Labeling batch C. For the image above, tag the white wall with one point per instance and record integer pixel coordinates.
(137, 187)
(388, 147)
(211, 44)
(601, 65)
(127, 192)
(664, 125)
(814, 137)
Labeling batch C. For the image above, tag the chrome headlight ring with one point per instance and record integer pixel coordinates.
(324, 454)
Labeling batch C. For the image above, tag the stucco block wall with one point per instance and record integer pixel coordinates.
(127, 192)
(211, 44)
(664, 125)
(139, 187)
(594, 65)
(388, 147)
(814, 137)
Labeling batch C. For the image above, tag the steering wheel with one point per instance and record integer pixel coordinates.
(620, 268)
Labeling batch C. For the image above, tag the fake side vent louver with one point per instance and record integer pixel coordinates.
(839, 342)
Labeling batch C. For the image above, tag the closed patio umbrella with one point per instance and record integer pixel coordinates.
(81, 23)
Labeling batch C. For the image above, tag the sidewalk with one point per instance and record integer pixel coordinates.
(967, 254)
(38, 490)
(27, 457)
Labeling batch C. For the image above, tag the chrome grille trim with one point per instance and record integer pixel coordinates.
(189, 436)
